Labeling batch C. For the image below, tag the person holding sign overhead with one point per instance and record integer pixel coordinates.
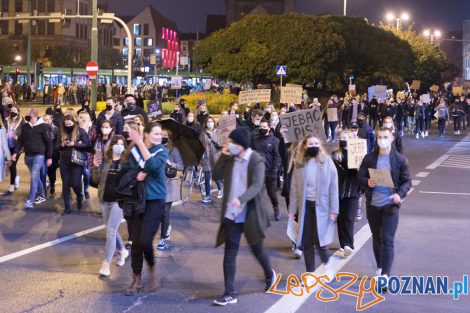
(383, 203)
(349, 193)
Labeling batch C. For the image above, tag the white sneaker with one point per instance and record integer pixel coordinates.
(329, 270)
(358, 214)
(168, 233)
(161, 245)
(17, 182)
(207, 199)
(220, 194)
(121, 257)
(417, 135)
(298, 253)
(105, 270)
(378, 272)
(347, 251)
(426, 133)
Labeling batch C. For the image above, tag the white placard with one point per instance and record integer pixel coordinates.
(254, 96)
(382, 177)
(357, 149)
(300, 123)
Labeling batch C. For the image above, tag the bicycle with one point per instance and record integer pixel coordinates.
(192, 177)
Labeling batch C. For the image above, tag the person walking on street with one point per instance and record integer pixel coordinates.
(442, 116)
(13, 129)
(268, 146)
(37, 147)
(243, 209)
(314, 197)
(210, 141)
(5, 155)
(104, 174)
(53, 134)
(383, 203)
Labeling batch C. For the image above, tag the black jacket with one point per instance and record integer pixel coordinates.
(138, 110)
(399, 170)
(268, 148)
(116, 119)
(35, 140)
(347, 179)
(82, 144)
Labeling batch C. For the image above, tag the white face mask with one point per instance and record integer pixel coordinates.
(106, 131)
(384, 143)
(257, 122)
(190, 119)
(274, 118)
(210, 125)
(387, 125)
(118, 149)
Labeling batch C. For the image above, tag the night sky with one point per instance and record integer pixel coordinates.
(190, 15)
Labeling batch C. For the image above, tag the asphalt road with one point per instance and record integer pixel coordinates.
(39, 274)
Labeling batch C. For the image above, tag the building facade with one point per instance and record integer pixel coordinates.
(236, 9)
(466, 50)
(152, 34)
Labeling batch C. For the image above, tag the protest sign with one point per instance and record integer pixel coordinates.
(300, 123)
(332, 114)
(176, 82)
(155, 109)
(401, 95)
(382, 177)
(434, 88)
(426, 98)
(291, 94)
(352, 90)
(379, 91)
(415, 84)
(254, 96)
(357, 149)
(226, 125)
(457, 90)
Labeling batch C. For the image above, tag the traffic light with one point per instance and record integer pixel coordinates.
(17, 70)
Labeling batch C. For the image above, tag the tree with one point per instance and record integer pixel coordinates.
(325, 49)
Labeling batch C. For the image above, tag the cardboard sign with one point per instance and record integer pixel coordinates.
(176, 82)
(379, 91)
(434, 88)
(415, 84)
(227, 124)
(426, 98)
(332, 114)
(357, 149)
(352, 90)
(300, 123)
(457, 90)
(292, 230)
(254, 96)
(401, 95)
(382, 177)
(155, 109)
(291, 94)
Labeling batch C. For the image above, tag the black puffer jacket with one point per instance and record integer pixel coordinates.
(268, 148)
(347, 179)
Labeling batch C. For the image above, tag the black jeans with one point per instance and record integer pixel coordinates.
(52, 171)
(166, 220)
(383, 222)
(13, 167)
(233, 233)
(71, 178)
(346, 220)
(143, 228)
(373, 119)
(310, 238)
(442, 126)
(456, 123)
(271, 187)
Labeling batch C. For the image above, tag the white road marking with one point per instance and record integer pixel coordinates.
(438, 162)
(422, 174)
(48, 244)
(415, 182)
(292, 303)
(446, 193)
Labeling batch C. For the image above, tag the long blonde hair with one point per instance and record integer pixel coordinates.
(302, 158)
(338, 151)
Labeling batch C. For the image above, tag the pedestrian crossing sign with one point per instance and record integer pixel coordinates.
(281, 70)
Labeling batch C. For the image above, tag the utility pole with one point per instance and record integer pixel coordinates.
(94, 51)
(28, 52)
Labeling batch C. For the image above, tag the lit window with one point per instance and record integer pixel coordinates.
(125, 52)
(126, 41)
(149, 42)
(137, 29)
(138, 41)
(138, 52)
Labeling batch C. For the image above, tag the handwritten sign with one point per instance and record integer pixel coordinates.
(227, 124)
(382, 177)
(332, 114)
(176, 82)
(155, 109)
(426, 98)
(352, 90)
(434, 88)
(300, 123)
(291, 94)
(415, 84)
(457, 90)
(292, 230)
(401, 95)
(357, 149)
(254, 96)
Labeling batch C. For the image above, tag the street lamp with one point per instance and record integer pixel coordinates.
(436, 34)
(390, 16)
(345, 6)
(17, 58)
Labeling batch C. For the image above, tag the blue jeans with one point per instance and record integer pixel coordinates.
(86, 178)
(207, 182)
(112, 215)
(43, 175)
(34, 164)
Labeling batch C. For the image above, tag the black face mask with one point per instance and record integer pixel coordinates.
(13, 114)
(263, 132)
(343, 144)
(131, 106)
(164, 140)
(360, 122)
(313, 151)
(69, 129)
(125, 134)
(27, 118)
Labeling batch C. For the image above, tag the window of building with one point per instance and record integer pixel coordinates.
(77, 31)
(4, 28)
(85, 32)
(138, 53)
(148, 42)
(138, 42)
(136, 29)
(146, 29)
(51, 29)
(41, 27)
(125, 41)
(50, 6)
(18, 5)
(125, 52)
(115, 41)
(4, 6)
(18, 29)
(41, 5)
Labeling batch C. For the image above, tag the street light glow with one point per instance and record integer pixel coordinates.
(405, 16)
(437, 33)
(427, 33)
(18, 58)
(390, 16)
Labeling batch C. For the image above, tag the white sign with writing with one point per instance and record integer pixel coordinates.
(176, 82)
(357, 149)
(382, 177)
(254, 96)
(291, 94)
(300, 123)
(332, 114)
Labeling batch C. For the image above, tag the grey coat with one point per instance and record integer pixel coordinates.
(99, 175)
(257, 218)
(172, 184)
(327, 200)
(4, 152)
(212, 153)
